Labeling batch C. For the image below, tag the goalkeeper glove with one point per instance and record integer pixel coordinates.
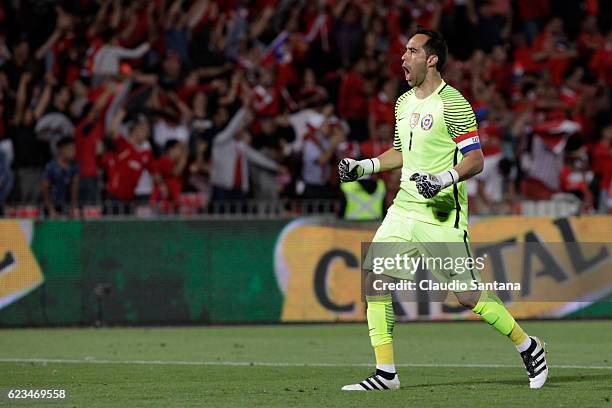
(428, 185)
(351, 170)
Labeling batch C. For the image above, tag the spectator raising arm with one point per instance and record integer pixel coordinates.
(106, 61)
(181, 162)
(261, 160)
(115, 125)
(186, 113)
(132, 53)
(337, 137)
(45, 98)
(20, 103)
(99, 104)
(42, 51)
(122, 92)
(240, 120)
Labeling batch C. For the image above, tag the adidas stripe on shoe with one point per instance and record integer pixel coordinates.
(375, 382)
(534, 359)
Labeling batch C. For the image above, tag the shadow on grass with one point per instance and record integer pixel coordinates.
(552, 381)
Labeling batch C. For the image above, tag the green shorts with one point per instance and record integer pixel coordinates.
(443, 250)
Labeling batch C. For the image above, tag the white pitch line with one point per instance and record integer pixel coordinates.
(273, 364)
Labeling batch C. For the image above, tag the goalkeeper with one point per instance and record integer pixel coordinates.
(437, 147)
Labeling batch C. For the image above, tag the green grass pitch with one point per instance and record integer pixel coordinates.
(441, 364)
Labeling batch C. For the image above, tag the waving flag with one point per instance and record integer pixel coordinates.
(277, 50)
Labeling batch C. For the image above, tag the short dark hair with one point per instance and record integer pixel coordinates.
(435, 45)
(136, 118)
(170, 144)
(65, 141)
(107, 35)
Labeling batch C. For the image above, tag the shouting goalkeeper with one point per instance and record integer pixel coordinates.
(437, 147)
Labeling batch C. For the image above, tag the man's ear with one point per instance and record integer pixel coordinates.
(432, 60)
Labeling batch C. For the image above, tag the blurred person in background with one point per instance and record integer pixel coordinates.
(353, 101)
(31, 153)
(310, 94)
(382, 107)
(53, 121)
(494, 190)
(200, 121)
(318, 153)
(553, 50)
(171, 123)
(576, 177)
(231, 156)
(550, 57)
(348, 31)
(363, 200)
(19, 61)
(108, 57)
(6, 179)
(198, 175)
(273, 141)
(60, 181)
(494, 23)
(125, 165)
(602, 167)
(602, 60)
(88, 136)
(533, 14)
(170, 167)
(543, 157)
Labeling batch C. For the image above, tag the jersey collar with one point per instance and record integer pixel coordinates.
(435, 92)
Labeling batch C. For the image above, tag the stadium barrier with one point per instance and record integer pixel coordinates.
(198, 206)
(190, 206)
(128, 272)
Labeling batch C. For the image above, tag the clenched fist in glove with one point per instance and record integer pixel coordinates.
(428, 185)
(351, 170)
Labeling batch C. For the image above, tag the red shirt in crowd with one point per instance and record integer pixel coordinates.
(352, 101)
(574, 180)
(490, 137)
(586, 40)
(126, 166)
(523, 61)
(86, 137)
(601, 63)
(88, 134)
(501, 75)
(602, 163)
(165, 167)
(534, 9)
(382, 109)
(556, 65)
(266, 101)
(374, 148)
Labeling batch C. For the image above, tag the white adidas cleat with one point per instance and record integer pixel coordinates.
(535, 363)
(374, 382)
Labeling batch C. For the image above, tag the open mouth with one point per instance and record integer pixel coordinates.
(406, 72)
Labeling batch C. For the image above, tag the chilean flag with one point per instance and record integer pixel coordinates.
(277, 50)
(468, 142)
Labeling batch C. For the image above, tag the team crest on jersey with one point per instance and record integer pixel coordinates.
(414, 119)
(427, 122)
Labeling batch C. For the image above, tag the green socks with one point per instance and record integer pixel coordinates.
(493, 311)
(381, 321)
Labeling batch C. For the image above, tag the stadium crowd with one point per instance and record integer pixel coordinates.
(186, 103)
